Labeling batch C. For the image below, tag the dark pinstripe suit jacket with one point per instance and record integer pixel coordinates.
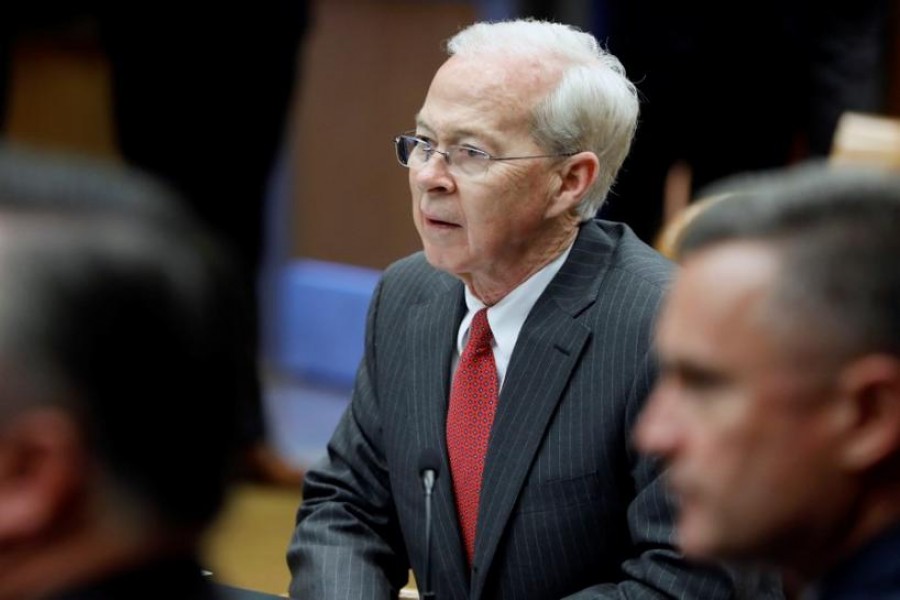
(566, 504)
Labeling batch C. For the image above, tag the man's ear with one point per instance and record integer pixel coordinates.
(576, 175)
(871, 386)
(42, 471)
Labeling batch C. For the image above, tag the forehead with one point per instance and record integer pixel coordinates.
(489, 95)
(720, 300)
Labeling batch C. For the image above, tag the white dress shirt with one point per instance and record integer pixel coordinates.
(507, 316)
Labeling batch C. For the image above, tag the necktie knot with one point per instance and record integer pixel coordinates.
(480, 334)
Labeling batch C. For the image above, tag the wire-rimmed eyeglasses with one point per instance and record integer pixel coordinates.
(413, 151)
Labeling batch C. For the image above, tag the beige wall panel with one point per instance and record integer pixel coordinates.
(367, 66)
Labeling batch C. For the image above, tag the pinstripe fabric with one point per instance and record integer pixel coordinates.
(566, 506)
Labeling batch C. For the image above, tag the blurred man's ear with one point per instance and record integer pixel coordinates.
(576, 175)
(42, 472)
(871, 385)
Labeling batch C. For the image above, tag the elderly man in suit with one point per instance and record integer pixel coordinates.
(516, 348)
(778, 406)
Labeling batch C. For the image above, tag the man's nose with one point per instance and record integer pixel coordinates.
(434, 174)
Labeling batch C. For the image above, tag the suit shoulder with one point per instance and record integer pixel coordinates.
(636, 260)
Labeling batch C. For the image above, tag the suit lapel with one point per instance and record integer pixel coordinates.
(547, 351)
(431, 337)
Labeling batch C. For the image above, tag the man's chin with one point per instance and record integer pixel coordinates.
(442, 260)
(697, 540)
(706, 545)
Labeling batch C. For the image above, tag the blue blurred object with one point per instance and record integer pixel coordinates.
(321, 314)
(497, 10)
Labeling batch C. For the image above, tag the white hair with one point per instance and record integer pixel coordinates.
(594, 107)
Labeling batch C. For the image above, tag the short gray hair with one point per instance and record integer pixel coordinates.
(594, 107)
(837, 235)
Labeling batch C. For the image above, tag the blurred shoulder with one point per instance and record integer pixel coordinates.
(629, 256)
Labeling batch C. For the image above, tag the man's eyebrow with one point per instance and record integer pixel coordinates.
(692, 371)
(420, 121)
(458, 133)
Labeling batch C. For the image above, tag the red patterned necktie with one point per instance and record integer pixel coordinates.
(473, 402)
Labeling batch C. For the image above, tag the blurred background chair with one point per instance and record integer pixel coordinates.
(867, 140)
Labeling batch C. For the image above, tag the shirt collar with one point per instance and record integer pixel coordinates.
(507, 316)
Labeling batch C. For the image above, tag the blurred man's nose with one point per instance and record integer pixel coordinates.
(658, 427)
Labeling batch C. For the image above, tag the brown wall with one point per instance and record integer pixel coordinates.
(366, 70)
(59, 94)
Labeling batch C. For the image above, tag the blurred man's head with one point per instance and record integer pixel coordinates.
(123, 351)
(519, 139)
(778, 407)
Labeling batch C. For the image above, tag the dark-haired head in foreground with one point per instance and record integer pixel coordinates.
(123, 353)
(778, 409)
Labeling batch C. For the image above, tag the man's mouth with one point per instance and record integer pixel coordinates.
(440, 223)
